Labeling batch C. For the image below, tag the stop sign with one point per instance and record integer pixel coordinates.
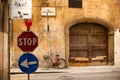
(27, 41)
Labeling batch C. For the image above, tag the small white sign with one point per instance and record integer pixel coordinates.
(48, 11)
(21, 9)
(21, 14)
(21, 4)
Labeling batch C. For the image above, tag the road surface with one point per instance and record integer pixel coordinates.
(68, 76)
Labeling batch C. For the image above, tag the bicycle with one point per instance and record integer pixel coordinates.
(47, 62)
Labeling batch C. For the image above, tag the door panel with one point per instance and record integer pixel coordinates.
(88, 43)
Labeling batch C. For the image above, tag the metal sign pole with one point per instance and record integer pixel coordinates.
(9, 50)
(47, 23)
(48, 32)
(28, 76)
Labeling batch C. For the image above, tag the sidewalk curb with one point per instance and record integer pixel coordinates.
(91, 69)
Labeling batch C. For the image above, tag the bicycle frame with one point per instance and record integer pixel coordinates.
(56, 63)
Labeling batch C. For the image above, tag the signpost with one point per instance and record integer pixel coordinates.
(28, 63)
(27, 41)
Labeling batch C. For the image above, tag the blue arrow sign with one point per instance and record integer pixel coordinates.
(28, 63)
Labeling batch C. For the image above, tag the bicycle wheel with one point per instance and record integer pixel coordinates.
(61, 63)
(45, 65)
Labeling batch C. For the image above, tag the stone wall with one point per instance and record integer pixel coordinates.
(105, 12)
(117, 50)
(1, 41)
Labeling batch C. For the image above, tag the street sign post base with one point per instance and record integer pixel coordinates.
(28, 76)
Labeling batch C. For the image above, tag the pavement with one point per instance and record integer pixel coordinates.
(90, 69)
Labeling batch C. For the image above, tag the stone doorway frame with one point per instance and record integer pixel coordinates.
(110, 28)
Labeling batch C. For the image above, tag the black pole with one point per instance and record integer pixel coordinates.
(9, 21)
(28, 29)
(28, 76)
(48, 28)
(9, 42)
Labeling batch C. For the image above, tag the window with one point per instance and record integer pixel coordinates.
(75, 3)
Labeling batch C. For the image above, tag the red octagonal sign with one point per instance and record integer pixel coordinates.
(27, 41)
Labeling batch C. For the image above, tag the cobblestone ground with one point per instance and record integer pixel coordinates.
(45, 77)
(66, 78)
(69, 76)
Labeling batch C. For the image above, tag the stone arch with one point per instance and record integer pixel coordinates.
(108, 25)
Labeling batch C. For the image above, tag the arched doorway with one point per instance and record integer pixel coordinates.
(88, 44)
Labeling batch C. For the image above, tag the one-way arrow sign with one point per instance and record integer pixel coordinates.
(28, 63)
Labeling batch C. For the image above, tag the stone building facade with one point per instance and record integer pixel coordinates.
(94, 13)
(82, 36)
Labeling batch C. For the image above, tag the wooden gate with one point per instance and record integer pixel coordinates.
(88, 44)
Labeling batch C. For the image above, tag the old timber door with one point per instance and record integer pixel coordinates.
(88, 44)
